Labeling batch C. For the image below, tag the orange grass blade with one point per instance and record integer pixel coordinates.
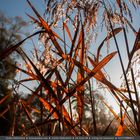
(91, 74)
(49, 107)
(3, 112)
(30, 118)
(118, 2)
(36, 21)
(5, 98)
(116, 116)
(119, 131)
(47, 28)
(72, 65)
(121, 126)
(112, 111)
(108, 127)
(68, 31)
(100, 76)
(74, 39)
(80, 77)
(42, 79)
(56, 114)
(35, 77)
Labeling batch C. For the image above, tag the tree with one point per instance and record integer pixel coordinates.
(10, 33)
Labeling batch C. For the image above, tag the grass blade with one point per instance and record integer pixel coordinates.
(80, 77)
(121, 127)
(116, 31)
(47, 28)
(9, 50)
(5, 98)
(91, 74)
(68, 31)
(30, 118)
(136, 47)
(104, 133)
(3, 112)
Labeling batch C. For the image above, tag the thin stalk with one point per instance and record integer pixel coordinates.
(64, 35)
(65, 50)
(70, 109)
(108, 127)
(131, 69)
(132, 76)
(12, 129)
(41, 115)
(81, 132)
(133, 79)
(92, 107)
(112, 92)
(93, 110)
(66, 73)
(82, 73)
(60, 108)
(121, 62)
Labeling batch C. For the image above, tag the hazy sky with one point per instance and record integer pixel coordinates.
(19, 7)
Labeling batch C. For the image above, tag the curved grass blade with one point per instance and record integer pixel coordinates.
(116, 116)
(42, 79)
(116, 31)
(47, 28)
(47, 85)
(56, 114)
(136, 47)
(72, 65)
(9, 50)
(94, 64)
(26, 80)
(74, 39)
(91, 74)
(100, 77)
(37, 22)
